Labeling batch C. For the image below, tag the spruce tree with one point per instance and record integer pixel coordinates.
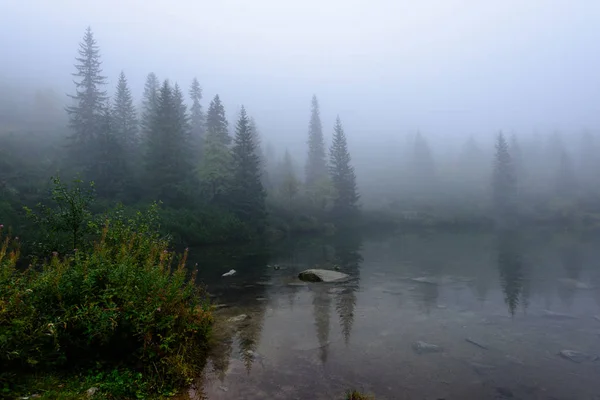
(248, 194)
(316, 164)
(504, 183)
(110, 159)
(343, 178)
(216, 122)
(197, 117)
(87, 112)
(149, 103)
(215, 165)
(124, 116)
(182, 119)
(290, 186)
(167, 158)
(259, 152)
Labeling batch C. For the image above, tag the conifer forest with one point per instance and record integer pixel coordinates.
(363, 200)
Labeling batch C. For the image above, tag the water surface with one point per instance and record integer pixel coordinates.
(500, 307)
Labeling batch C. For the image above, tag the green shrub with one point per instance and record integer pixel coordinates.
(356, 395)
(120, 303)
(210, 225)
(68, 222)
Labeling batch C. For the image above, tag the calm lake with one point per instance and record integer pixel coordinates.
(499, 307)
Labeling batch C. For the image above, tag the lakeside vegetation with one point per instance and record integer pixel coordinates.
(120, 307)
(91, 290)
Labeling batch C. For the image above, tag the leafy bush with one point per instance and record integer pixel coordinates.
(356, 395)
(67, 224)
(120, 303)
(209, 225)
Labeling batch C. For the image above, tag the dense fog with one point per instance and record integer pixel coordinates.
(422, 92)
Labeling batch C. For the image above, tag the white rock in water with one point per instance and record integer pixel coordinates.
(577, 356)
(425, 279)
(555, 315)
(239, 318)
(321, 275)
(575, 284)
(423, 348)
(231, 272)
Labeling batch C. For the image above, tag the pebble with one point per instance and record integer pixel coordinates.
(577, 356)
(423, 348)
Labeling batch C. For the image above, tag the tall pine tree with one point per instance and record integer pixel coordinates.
(124, 116)
(345, 204)
(248, 195)
(290, 186)
(168, 164)
(182, 118)
(149, 103)
(215, 165)
(197, 117)
(216, 122)
(110, 159)
(316, 164)
(258, 150)
(504, 184)
(89, 103)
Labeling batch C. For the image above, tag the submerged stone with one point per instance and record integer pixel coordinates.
(321, 275)
(423, 348)
(425, 279)
(575, 284)
(476, 343)
(577, 356)
(239, 318)
(555, 315)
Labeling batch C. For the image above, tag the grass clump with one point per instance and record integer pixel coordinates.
(123, 311)
(356, 395)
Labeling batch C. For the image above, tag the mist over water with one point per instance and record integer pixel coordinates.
(500, 307)
(442, 154)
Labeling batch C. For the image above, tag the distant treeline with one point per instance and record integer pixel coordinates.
(214, 186)
(219, 182)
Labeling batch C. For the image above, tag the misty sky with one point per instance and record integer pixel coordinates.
(386, 66)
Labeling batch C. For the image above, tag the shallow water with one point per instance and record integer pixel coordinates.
(501, 308)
